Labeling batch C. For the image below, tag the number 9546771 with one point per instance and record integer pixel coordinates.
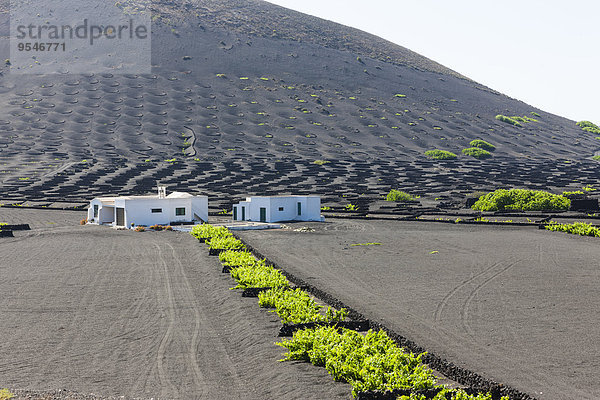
(41, 46)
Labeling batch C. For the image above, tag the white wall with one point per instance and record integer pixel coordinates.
(256, 203)
(239, 206)
(141, 214)
(310, 207)
(313, 209)
(90, 213)
(105, 213)
(290, 209)
(200, 207)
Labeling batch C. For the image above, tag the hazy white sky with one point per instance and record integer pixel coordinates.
(546, 53)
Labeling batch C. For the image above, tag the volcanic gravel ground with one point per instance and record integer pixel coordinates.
(120, 313)
(516, 305)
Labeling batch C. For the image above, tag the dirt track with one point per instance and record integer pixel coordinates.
(517, 305)
(137, 314)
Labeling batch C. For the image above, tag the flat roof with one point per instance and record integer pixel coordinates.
(173, 195)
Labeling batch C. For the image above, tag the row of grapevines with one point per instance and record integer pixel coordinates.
(227, 243)
(576, 228)
(205, 231)
(258, 275)
(293, 307)
(231, 258)
(370, 362)
(297, 307)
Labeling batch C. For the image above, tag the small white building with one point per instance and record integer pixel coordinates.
(278, 209)
(148, 210)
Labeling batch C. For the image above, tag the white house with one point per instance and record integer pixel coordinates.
(278, 208)
(148, 210)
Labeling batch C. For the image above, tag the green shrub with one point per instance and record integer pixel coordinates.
(399, 196)
(587, 124)
(370, 362)
(524, 119)
(576, 228)
(205, 231)
(482, 144)
(237, 258)
(297, 307)
(440, 154)
(597, 158)
(592, 130)
(227, 243)
(535, 114)
(5, 394)
(589, 127)
(477, 153)
(258, 276)
(520, 199)
(508, 120)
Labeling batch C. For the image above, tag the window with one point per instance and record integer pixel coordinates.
(280, 208)
(179, 211)
(95, 210)
(299, 208)
(156, 210)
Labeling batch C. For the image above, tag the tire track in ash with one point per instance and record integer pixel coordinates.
(464, 313)
(136, 326)
(440, 307)
(218, 363)
(533, 375)
(191, 300)
(190, 347)
(168, 335)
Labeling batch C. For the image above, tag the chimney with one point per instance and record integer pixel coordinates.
(162, 192)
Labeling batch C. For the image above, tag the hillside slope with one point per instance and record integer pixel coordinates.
(245, 92)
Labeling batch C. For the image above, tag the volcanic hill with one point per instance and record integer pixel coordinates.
(245, 96)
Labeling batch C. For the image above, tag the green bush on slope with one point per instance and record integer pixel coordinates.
(477, 153)
(482, 144)
(508, 120)
(589, 127)
(398, 196)
(440, 154)
(521, 199)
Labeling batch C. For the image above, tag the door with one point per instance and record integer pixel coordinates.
(120, 216)
(235, 213)
(243, 213)
(263, 214)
